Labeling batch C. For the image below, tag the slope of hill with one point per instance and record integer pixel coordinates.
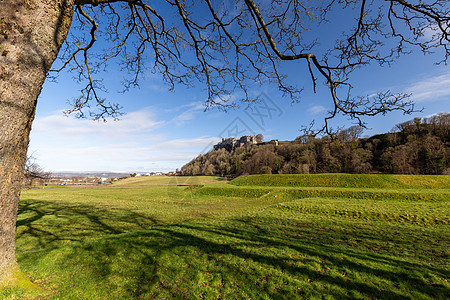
(227, 241)
(346, 180)
(420, 146)
(165, 180)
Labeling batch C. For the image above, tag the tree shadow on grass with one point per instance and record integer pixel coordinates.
(387, 268)
(131, 255)
(43, 224)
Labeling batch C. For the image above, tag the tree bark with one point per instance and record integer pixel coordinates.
(31, 34)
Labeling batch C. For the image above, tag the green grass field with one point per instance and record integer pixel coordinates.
(248, 238)
(167, 180)
(347, 180)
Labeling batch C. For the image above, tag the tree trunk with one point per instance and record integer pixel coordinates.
(31, 34)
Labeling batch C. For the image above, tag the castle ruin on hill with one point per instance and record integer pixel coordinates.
(232, 143)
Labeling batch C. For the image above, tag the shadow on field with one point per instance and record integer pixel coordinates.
(347, 261)
(45, 224)
(236, 258)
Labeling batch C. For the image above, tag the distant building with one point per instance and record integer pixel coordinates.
(247, 140)
(231, 143)
(228, 144)
(272, 142)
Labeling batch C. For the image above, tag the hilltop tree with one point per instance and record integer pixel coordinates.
(259, 138)
(225, 46)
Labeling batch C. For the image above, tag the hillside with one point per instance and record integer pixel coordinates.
(347, 180)
(419, 146)
(255, 237)
(165, 180)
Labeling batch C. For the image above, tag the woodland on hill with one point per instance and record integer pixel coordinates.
(419, 146)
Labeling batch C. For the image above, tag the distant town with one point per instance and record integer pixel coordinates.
(85, 178)
(38, 178)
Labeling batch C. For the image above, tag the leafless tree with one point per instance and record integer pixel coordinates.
(227, 46)
(259, 138)
(236, 45)
(34, 171)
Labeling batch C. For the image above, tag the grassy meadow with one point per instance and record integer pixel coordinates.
(256, 237)
(167, 180)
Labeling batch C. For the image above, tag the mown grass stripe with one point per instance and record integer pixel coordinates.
(222, 241)
(369, 194)
(346, 180)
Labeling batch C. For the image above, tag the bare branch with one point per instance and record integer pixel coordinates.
(230, 47)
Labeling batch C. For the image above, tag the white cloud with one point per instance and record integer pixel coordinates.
(196, 104)
(430, 88)
(114, 157)
(316, 109)
(430, 32)
(435, 114)
(133, 143)
(192, 110)
(195, 143)
(131, 123)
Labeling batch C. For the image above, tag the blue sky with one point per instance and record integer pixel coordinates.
(163, 130)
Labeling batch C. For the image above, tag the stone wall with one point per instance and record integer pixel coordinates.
(232, 143)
